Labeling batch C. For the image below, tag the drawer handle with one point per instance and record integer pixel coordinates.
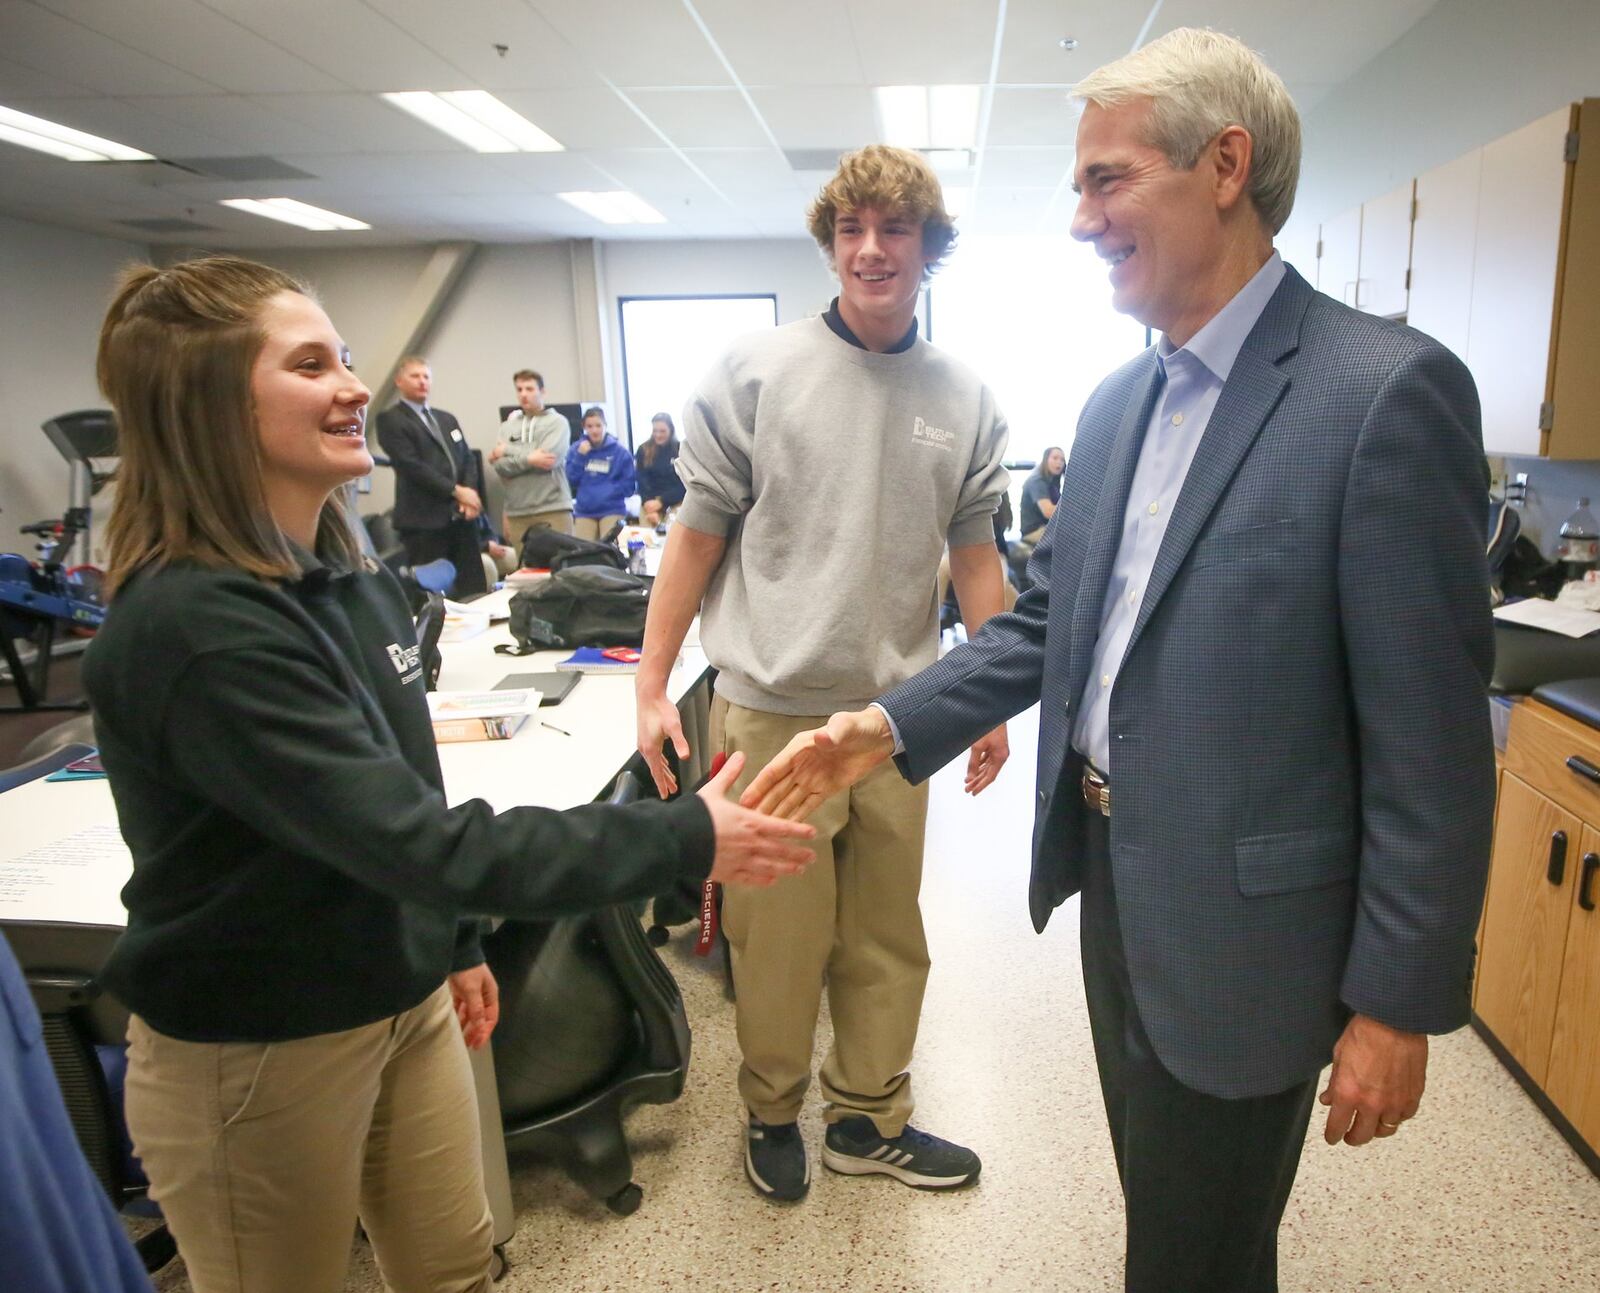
(1584, 768)
(1591, 864)
(1556, 871)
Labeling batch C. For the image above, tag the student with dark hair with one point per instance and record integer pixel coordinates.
(659, 486)
(1041, 494)
(600, 471)
(301, 957)
(530, 459)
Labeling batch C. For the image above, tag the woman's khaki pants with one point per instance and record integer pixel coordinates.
(263, 1155)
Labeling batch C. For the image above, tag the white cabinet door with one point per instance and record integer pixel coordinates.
(1520, 194)
(1385, 253)
(1297, 244)
(1443, 246)
(1341, 256)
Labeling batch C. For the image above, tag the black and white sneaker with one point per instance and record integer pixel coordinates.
(854, 1147)
(775, 1160)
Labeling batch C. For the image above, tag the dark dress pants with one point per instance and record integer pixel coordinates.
(458, 542)
(1205, 1179)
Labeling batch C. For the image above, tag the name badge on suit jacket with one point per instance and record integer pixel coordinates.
(600, 468)
(455, 434)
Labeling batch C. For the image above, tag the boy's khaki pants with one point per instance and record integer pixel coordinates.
(851, 920)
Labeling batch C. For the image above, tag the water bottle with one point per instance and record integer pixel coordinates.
(1579, 545)
(636, 556)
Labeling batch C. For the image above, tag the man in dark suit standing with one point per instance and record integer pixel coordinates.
(435, 505)
(1260, 634)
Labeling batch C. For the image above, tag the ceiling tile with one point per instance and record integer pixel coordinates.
(466, 36)
(188, 34)
(819, 116)
(702, 118)
(745, 170)
(19, 82)
(48, 43)
(589, 118)
(358, 47)
(923, 42)
(1025, 167)
(636, 42)
(134, 122)
(349, 123)
(1026, 117)
(788, 44)
(1031, 52)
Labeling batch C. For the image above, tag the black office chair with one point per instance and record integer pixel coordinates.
(430, 624)
(591, 1024)
(76, 1017)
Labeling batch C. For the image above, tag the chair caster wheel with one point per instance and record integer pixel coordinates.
(658, 935)
(500, 1266)
(625, 1202)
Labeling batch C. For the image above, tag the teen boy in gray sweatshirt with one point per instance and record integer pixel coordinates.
(827, 464)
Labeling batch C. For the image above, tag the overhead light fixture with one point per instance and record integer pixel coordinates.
(63, 141)
(289, 211)
(477, 119)
(929, 116)
(616, 207)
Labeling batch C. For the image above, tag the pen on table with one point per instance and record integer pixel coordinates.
(554, 728)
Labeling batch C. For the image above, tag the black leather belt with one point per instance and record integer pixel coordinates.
(1096, 791)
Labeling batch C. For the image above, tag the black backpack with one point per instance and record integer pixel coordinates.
(546, 549)
(580, 606)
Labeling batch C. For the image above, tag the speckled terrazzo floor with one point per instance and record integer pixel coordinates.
(1478, 1195)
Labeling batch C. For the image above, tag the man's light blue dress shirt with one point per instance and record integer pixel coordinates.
(1192, 378)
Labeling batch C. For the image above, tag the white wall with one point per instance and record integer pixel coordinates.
(1468, 72)
(54, 287)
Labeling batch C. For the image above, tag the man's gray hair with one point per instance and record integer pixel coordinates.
(1199, 82)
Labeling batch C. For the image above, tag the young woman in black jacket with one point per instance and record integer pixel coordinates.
(656, 463)
(301, 955)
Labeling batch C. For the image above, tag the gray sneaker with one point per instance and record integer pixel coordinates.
(854, 1147)
(775, 1160)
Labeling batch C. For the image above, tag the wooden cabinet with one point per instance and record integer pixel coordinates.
(1538, 987)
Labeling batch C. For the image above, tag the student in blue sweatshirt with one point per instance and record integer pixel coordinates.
(601, 474)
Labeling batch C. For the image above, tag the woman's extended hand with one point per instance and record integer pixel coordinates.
(752, 848)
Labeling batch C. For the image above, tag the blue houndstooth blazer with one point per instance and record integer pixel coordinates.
(1302, 766)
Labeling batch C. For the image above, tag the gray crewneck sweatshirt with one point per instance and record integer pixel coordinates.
(837, 475)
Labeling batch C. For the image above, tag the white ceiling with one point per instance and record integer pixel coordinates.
(690, 103)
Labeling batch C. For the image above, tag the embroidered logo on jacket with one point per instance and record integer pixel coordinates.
(404, 658)
(933, 437)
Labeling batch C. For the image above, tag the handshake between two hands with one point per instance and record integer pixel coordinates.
(758, 839)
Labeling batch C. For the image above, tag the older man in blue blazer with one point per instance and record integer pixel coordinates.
(1260, 634)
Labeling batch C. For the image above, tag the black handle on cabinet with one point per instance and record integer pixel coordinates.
(1584, 768)
(1591, 864)
(1556, 871)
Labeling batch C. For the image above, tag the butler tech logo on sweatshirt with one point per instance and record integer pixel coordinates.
(933, 437)
(404, 658)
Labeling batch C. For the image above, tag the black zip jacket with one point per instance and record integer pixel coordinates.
(296, 869)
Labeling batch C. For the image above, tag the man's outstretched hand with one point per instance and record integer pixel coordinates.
(818, 764)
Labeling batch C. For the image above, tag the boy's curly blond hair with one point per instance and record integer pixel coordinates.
(889, 179)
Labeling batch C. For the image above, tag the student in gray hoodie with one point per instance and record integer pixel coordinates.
(530, 459)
